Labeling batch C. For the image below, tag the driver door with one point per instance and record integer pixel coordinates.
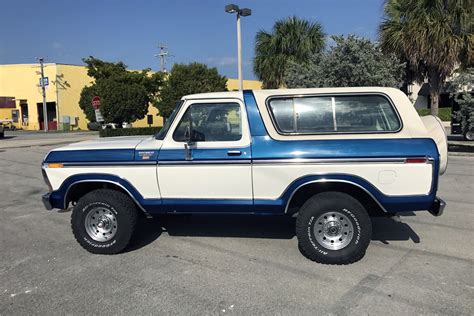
(205, 161)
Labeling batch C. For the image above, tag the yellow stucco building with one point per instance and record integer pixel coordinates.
(21, 101)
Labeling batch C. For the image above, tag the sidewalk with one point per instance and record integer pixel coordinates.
(18, 139)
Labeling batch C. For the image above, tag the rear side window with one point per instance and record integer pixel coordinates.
(334, 114)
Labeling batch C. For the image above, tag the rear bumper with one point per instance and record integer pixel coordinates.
(47, 201)
(437, 208)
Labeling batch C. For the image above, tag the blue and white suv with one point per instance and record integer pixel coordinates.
(332, 157)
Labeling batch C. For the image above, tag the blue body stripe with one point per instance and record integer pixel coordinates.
(267, 148)
(99, 155)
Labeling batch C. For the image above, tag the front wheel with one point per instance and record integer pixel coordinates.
(333, 228)
(103, 221)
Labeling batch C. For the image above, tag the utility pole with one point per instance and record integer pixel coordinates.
(43, 89)
(163, 54)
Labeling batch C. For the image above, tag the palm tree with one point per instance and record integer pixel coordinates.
(435, 36)
(291, 39)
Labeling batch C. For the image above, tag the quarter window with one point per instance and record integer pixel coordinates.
(334, 114)
(210, 122)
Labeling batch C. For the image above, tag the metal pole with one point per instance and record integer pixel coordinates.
(57, 101)
(239, 52)
(43, 89)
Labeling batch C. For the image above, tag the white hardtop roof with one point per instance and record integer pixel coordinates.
(271, 92)
(214, 95)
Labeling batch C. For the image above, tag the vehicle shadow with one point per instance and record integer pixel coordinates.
(146, 232)
(247, 226)
(241, 226)
(385, 229)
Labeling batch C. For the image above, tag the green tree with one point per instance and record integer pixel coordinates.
(351, 62)
(188, 79)
(292, 39)
(462, 89)
(125, 95)
(434, 35)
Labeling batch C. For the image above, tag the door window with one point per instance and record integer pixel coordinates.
(210, 122)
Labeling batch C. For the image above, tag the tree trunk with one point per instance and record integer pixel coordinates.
(434, 102)
(435, 79)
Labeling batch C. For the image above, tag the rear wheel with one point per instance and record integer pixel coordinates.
(103, 221)
(333, 228)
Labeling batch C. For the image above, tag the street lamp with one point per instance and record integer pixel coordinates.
(232, 8)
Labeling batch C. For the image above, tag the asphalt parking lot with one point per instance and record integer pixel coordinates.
(240, 265)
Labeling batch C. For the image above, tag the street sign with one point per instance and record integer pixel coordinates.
(96, 102)
(45, 82)
(98, 116)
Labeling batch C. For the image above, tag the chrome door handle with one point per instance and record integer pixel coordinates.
(234, 153)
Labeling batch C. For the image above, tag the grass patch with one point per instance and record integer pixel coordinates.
(444, 113)
(129, 131)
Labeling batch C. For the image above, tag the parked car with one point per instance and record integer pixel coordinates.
(2, 130)
(332, 157)
(95, 126)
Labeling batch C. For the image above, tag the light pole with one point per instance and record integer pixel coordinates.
(232, 8)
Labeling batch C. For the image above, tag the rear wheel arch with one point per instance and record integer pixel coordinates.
(308, 190)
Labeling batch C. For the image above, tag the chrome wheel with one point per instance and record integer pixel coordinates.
(333, 230)
(101, 224)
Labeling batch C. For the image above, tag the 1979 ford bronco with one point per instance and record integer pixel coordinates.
(332, 157)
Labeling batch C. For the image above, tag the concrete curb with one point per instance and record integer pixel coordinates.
(460, 153)
(42, 142)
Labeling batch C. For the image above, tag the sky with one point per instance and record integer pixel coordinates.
(65, 31)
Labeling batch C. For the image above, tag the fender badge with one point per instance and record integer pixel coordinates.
(145, 155)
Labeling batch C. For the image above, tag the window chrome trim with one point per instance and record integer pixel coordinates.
(332, 95)
(330, 160)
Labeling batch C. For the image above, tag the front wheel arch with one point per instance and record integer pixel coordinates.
(79, 189)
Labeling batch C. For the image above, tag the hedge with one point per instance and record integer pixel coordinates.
(129, 131)
(444, 113)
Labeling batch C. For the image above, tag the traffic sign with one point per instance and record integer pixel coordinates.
(96, 102)
(45, 82)
(98, 116)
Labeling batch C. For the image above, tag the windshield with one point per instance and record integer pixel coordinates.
(162, 133)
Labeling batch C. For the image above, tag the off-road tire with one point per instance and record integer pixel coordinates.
(338, 203)
(124, 213)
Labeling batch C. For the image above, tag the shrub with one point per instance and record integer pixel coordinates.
(129, 131)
